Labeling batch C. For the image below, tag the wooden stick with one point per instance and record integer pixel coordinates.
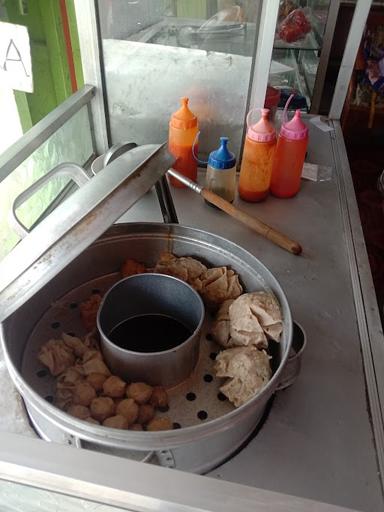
(252, 222)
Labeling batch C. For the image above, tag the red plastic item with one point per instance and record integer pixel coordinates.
(272, 98)
(183, 128)
(294, 27)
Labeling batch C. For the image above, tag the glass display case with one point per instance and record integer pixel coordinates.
(154, 52)
(300, 32)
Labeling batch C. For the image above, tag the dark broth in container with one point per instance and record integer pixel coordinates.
(149, 333)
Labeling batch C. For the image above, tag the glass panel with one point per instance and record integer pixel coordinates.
(16, 497)
(156, 51)
(71, 143)
(299, 38)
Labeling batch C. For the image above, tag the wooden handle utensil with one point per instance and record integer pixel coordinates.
(252, 222)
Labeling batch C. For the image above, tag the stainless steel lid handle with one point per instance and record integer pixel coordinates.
(69, 170)
(166, 203)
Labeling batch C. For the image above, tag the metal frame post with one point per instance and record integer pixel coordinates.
(90, 58)
(266, 37)
(353, 42)
(324, 56)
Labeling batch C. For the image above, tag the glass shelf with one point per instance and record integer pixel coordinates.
(302, 56)
(292, 78)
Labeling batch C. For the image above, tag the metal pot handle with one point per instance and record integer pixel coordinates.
(164, 457)
(70, 170)
(292, 367)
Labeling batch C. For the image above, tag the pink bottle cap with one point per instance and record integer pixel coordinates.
(263, 130)
(294, 129)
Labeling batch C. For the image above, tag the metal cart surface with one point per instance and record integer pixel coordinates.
(322, 439)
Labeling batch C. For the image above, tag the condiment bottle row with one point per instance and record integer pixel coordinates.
(270, 164)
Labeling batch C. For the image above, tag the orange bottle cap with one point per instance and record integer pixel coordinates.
(183, 118)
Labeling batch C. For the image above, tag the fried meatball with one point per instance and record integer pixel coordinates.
(63, 397)
(159, 398)
(116, 422)
(79, 411)
(92, 420)
(146, 413)
(102, 408)
(129, 409)
(114, 387)
(136, 426)
(163, 423)
(83, 394)
(140, 392)
(96, 380)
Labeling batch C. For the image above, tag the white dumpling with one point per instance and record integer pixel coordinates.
(248, 370)
(245, 328)
(267, 309)
(220, 330)
(186, 268)
(217, 285)
(57, 356)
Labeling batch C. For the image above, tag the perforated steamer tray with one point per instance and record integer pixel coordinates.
(195, 400)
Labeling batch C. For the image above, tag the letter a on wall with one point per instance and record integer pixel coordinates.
(15, 57)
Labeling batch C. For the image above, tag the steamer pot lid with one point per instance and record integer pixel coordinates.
(77, 222)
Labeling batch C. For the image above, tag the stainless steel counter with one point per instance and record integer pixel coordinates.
(317, 440)
(323, 437)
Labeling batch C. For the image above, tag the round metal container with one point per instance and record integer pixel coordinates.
(201, 444)
(148, 294)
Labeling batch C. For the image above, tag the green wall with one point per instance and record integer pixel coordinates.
(51, 78)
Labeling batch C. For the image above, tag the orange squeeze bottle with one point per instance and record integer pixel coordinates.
(256, 166)
(183, 128)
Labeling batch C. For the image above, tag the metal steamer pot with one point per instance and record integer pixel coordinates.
(40, 298)
(196, 448)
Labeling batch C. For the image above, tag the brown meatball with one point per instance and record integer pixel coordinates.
(136, 426)
(146, 413)
(78, 411)
(159, 398)
(129, 409)
(114, 387)
(102, 408)
(83, 394)
(96, 380)
(140, 392)
(163, 423)
(116, 422)
(92, 420)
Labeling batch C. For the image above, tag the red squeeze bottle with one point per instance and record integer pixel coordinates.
(183, 129)
(289, 157)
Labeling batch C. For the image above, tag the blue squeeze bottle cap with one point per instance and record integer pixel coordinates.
(222, 158)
